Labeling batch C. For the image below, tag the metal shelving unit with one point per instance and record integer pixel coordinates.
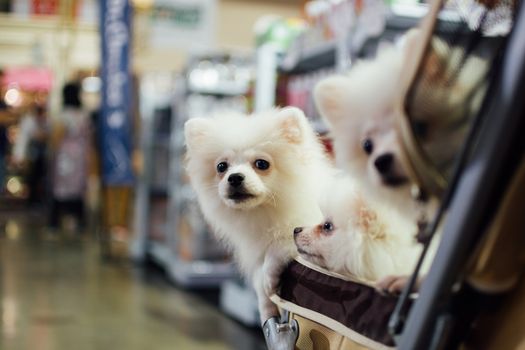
(169, 227)
(305, 59)
(208, 266)
(151, 188)
(237, 298)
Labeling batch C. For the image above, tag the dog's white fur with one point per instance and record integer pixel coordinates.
(358, 237)
(259, 228)
(362, 105)
(359, 106)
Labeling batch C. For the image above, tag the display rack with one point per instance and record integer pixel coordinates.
(200, 261)
(308, 61)
(240, 302)
(237, 298)
(400, 17)
(164, 200)
(150, 238)
(303, 59)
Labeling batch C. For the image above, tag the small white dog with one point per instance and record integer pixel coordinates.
(358, 238)
(257, 177)
(359, 110)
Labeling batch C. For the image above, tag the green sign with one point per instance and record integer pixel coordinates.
(183, 16)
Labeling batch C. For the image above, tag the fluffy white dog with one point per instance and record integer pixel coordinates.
(359, 110)
(357, 237)
(257, 177)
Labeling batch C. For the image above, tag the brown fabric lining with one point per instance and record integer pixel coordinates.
(354, 305)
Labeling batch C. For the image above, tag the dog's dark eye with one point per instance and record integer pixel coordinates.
(261, 164)
(368, 146)
(420, 128)
(328, 226)
(222, 167)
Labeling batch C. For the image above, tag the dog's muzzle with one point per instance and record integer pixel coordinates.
(236, 180)
(384, 165)
(237, 191)
(393, 180)
(240, 196)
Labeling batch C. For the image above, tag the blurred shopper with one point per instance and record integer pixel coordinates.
(29, 151)
(70, 147)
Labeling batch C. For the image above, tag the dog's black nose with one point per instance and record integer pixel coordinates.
(384, 162)
(297, 230)
(235, 180)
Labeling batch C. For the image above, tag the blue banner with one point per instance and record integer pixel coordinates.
(115, 114)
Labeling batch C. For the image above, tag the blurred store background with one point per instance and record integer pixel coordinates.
(102, 244)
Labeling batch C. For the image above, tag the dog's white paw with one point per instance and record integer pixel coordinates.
(266, 307)
(392, 284)
(275, 261)
(395, 284)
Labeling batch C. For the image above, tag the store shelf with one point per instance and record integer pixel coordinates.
(159, 252)
(408, 16)
(199, 273)
(162, 141)
(218, 90)
(301, 59)
(308, 59)
(239, 302)
(158, 192)
(190, 274)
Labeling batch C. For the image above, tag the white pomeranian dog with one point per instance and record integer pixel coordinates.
(358, 238)
(258, 177)
(359, 111)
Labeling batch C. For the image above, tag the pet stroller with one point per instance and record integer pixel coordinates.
(461, 121)
(334, 312)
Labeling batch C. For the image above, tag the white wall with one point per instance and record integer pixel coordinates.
(43, 41)
(26, 40)
(235, 20)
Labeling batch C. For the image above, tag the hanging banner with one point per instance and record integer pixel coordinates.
(115, 116)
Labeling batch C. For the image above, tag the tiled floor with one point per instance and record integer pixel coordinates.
(57, 293)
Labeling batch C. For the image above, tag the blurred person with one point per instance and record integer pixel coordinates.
(90, 100)
(70, 142)
(30, 151)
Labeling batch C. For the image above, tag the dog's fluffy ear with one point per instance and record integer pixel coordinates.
(329, 97)
(410, 44)
(409, 41)
(195, 130)
(291, 122)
